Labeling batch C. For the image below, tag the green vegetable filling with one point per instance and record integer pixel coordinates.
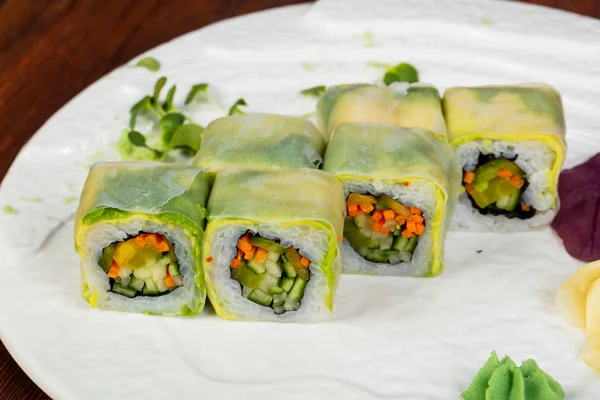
(381, 229)
(144, 265)
(270, 274)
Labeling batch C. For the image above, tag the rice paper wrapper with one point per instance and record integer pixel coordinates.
(276, 204)
(530, 112)
(385, 155)
(411, 106)
(260, 141)
(120, 198)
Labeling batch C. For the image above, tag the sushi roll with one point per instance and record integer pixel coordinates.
(510, 143)
(272, 245)
(138, 231)
(410, 106)
(260, 141)
(400, 186)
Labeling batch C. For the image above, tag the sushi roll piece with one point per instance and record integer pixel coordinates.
(138, 231)
(260, 141)
(410, 106)
(272, 248)
(400, 186)
(510, 142)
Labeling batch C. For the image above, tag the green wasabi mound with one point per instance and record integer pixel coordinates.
(503, 380)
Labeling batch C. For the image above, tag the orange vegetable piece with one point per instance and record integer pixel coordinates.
(209, 259)
(235, 263)
(417, 218)
(367, 207)
(239, 254)
(517, 181)
(169, 281)
(469, 177)
(261, 255)
(353, 213)
(352, 207)
(420, 229)
(505, 174)
(407, 234)
(524, 206)
(377, 226)
(470, 188)
(151, 239)
(250, 253)
(399, 220)
(305, 262)
(384, 229)
(113, 272)
(244, 244)
(162, 244)
(377, 216)
(406, 183)
(389, 214)
(340, 239)
(415, 210)
(140, 240)
(411, 226)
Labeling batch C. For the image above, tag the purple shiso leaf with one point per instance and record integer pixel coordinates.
(578, 219)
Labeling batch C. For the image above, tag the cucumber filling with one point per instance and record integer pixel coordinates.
(143, 265)
(496, 186)
(381, 229)
(270, 274)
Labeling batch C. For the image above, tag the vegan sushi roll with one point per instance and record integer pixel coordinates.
(510, 142)
(260, 141)
(410, 106)
(400, 186)
(272, 245)
(139, 232)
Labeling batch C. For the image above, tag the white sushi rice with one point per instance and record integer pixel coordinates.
(311, 242)
(535, 159)
(104, 233)
(419, 194)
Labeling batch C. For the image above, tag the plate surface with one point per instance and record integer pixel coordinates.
(388, 337)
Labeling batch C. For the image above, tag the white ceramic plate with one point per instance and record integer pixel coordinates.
(388, 337)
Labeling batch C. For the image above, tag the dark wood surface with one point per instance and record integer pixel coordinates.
(52, 49)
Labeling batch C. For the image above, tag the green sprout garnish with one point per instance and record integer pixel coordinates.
(401, 73)
(316, 91)
(150, 63)
(139, 140)
(197, 88)
(235, 108)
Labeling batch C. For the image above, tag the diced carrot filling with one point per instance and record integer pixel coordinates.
(415, 210)
(249, 254)
(113, 272)
(377, 216)
(169, 281)
(525, 206)
(244, 244)
(389, 214)
(517, 181)
(469, 177)
(235, 263)
(305, 262)
(261, 255)
(505, 174)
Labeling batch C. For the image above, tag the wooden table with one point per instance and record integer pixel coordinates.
(51, 50)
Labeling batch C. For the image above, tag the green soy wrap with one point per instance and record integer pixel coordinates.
(410, 106)
(260, 141)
